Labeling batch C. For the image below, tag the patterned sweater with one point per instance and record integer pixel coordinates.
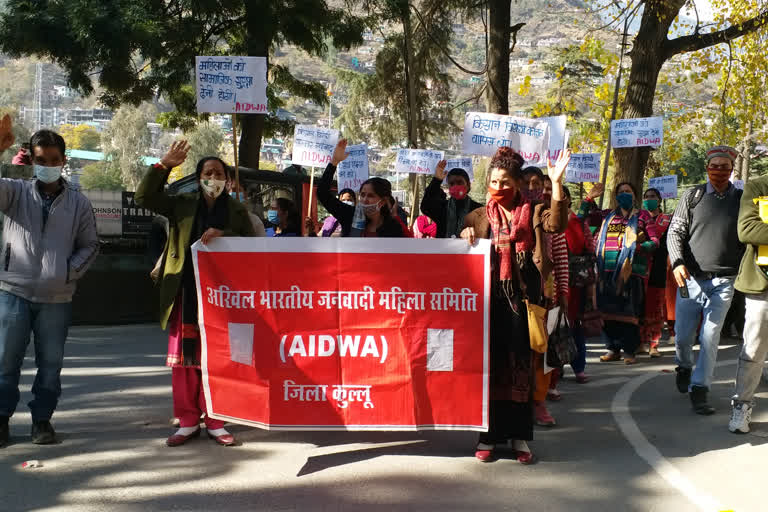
(615, 239)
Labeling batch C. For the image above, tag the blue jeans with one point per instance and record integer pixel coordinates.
(579, 362)
(50, 324)
(707, 305)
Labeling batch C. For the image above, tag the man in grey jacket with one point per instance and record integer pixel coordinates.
(49, 241)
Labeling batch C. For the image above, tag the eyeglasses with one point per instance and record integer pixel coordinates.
(721, 167)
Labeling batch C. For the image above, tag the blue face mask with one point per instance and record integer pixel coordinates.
(272, 216)
(47, 174)
(625, 200)
(240, 196)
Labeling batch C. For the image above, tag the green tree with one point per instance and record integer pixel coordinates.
(205, 140)
(657, 41)
(126, 141)
(81, 136)
(101, 176)
(142, 48)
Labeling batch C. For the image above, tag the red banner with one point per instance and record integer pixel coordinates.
(345, 334)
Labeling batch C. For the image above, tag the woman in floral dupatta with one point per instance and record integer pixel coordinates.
(623, 250)
(516, 229)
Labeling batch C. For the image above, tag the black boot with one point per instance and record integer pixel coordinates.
(699, 401)
(683, 379)
(4, 432)
(43, 433)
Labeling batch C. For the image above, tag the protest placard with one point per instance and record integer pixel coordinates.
(231, 85)
(389, 336)
(583, 168)
(558, 138)
(643, 131)
(464, 162)
(313, 146)
(353, 171)
(485, 133)
(417, 161)
(667, 185)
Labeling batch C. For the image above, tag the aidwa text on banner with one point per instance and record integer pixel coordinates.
(345, 334)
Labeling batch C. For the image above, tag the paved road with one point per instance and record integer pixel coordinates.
(625, 442)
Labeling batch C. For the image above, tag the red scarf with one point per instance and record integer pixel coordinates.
(519, 230)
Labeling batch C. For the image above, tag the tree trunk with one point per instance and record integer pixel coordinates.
(647, 59)
(252, 125)
(409, 63)
(497, 91)
(747, 153)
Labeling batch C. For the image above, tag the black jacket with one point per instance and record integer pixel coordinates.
(435, 206)
(344, 213)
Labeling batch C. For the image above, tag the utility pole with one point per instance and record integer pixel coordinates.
(38, 96)
(615, 103)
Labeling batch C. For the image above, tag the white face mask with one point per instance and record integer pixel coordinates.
(370, 209)
(47, 174)
(212, 187)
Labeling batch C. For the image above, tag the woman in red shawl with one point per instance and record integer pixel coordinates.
(516, 230)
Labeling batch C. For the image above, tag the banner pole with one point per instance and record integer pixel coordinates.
(237, 163)
(311, 189)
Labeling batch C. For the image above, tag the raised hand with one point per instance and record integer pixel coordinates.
(440, 169)
(176, 154)
(556, 171)
(6, 133)
(596, 191)
(339, 153)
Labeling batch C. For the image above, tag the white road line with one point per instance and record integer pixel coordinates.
(649, 453)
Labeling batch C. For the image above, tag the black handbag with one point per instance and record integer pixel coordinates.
(582, 270)
(561, 349)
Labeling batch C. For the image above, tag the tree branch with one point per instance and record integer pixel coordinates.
(445, 50)
(695, 42)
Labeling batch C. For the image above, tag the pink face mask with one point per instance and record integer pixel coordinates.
(458, 192)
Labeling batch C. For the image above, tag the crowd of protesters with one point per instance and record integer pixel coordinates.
(624, 273)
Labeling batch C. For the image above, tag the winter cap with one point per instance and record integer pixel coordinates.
(722, 152)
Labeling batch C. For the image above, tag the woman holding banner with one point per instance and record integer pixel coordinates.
(203, 215)
(448, 214)
(623, 248)
(515, 228)
(372, 216)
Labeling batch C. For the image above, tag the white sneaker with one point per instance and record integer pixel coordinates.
(741, 415)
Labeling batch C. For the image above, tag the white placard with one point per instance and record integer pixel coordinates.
(464, 162)
(667, 185)
(643, 131)
(485, 133)
(558, 139)
(313, 146)
(353, 171)
(583, 168)
(231, 85)
(417, 161)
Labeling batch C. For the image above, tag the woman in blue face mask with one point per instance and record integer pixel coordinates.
(283, 218)
(623, 249)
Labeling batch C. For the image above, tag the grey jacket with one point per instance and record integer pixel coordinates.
(42, 263)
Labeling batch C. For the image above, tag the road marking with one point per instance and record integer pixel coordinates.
(649, 453)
